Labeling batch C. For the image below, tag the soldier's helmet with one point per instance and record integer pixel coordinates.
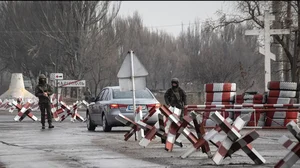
(175, 80)
(42, 76)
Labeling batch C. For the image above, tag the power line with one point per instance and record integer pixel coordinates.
(70, 31)
(175, 25)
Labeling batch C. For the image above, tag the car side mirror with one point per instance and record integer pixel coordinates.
(93, 99)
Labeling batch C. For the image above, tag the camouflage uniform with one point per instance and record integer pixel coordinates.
(44, 101)
(176, 97)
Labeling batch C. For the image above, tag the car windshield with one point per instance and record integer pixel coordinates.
(144, 94)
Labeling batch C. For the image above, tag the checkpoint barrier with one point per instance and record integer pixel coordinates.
(232, 142)
(68, 111)
(150, 131)
(25, 109)
(235, 141)
(267, 108)
(294, 155)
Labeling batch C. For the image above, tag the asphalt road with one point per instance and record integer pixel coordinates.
(69, 144)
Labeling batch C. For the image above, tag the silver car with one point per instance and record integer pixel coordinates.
(111, 101)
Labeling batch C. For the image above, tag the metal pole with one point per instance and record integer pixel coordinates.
(133, 86)
(56, 69)
(56, 95)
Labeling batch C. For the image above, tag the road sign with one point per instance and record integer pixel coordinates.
(125, 73)
(56, 76)
(132, 76)
(71, 83)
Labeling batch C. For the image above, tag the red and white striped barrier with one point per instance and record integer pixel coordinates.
(126, 121)
(70, 111)
(24, 110)
(202, 141)
(220, 97)
(218, 103)
(75, 115)
(138, 117)
(176, 112)
(156, 130)
(279, 122)
(278, 85)
(253, 99)
(151, 131)
(134, 126)
(244, 105)
(294, 155)
(4, 104)
(282, 93)
(220, 87)
(234, 141)
(177, 127)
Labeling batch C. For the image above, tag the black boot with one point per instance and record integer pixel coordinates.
(51, 126)
(43, 126)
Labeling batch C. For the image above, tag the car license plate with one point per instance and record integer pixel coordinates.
(130, 107)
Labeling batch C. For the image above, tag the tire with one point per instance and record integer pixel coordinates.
(89, 124)
(282, 93)
(105, 126)
(276, 85)
(220, 87)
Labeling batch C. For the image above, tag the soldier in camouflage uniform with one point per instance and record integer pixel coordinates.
(43, 91)
(176, 97)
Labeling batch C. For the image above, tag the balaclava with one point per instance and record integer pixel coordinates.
(175, 80)
(42, 79)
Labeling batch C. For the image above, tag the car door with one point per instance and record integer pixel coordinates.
(99, 104)
(105, 102)
(96, 114)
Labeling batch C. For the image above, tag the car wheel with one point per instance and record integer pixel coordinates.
(89, 124)
(105, 126)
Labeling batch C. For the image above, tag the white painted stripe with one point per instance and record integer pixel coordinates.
(171, 138)
(17, 118)
(217, 96)
(144, 142)
(278, 105)
(290, 159)
(282, 140)
(188, 152)
(173, 118)
(239, 123)
(209, 135)
(34, 118)
(217, 158)
(186, 131)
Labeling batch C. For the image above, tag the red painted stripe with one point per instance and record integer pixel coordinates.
(20, 114)
(279, 164)
(199, 143)
(151, 133)
(30, 115)
(296, 149)
(287, 143)
(209, 87)
(222, 150)
(227, 86)
(209, 97)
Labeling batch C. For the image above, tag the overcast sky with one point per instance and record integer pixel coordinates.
(169, 15)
